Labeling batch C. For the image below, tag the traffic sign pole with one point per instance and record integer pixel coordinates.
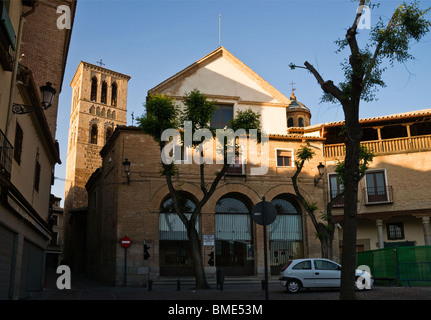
(264, 213)
(125, 266)
(125, 242)
(265, 248)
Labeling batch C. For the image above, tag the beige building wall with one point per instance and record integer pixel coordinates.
(118, 208)
(409, 202)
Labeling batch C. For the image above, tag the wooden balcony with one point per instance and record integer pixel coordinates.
(387, 146)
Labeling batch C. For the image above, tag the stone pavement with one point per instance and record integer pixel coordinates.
(233, 290)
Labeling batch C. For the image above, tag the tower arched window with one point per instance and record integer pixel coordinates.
(114, 115)
(93, 134)
(290, 122)
(93, 95)
(104, 95)
(114, 94)
(300, 122)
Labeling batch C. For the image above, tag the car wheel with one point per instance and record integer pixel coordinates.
(293, 286)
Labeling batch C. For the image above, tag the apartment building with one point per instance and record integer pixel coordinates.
(33, 53)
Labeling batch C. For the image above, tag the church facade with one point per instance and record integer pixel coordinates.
(137, 205)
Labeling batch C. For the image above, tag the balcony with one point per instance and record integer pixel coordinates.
(378, 195)
(5, 156)
(387, 146)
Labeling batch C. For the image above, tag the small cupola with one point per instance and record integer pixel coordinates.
(297, 114)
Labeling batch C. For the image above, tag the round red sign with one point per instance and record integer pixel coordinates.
(125, 242)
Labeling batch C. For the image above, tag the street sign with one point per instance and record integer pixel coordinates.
(125, 242)
(264, 213)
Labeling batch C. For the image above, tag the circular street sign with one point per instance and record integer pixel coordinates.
(270, 213)
(125, 242)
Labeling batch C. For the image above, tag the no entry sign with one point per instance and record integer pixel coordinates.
(125, 242)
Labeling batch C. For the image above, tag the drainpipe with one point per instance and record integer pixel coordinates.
(16, 63)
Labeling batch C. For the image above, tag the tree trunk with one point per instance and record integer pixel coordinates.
(195, 244)
(351, 179)
(326, 247)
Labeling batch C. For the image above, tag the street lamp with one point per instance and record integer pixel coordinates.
(126, 168)
(321, 169)
(48, 93)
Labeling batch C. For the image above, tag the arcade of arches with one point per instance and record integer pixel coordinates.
(234, 234)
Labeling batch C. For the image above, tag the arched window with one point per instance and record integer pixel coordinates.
(93, 95)
(108, 134)
(114, 94)
(103, 112)
(285, 233)
(174, 247)
(104, 96)
(234, 237)
(300, 122)
(92, 110)
(290, 122)
(98, 111)
(114, 115)
(93, 134)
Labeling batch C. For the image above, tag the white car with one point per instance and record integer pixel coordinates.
(318, 273)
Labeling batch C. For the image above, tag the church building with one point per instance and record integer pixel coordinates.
(136, 204)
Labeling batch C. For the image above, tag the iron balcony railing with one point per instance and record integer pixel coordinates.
(378, 195)
(6, 151)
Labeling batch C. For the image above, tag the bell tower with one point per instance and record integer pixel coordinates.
(99, 104)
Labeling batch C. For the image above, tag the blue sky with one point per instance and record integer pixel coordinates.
(152, 40)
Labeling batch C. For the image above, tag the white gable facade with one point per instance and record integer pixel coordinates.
(222, 77)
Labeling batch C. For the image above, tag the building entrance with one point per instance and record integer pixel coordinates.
(285, 233)
(234, 248)
(174, 247)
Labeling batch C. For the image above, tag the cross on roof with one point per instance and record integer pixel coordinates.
(101, 63)
(292, 83)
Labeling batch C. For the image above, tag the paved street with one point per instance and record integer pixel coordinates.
(85, 289)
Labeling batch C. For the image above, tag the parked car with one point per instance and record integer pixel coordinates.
(318, 273)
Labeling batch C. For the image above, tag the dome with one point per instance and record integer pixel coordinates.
(297, 114)
(296, 105)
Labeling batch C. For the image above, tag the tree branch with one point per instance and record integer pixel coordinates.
(327, 86)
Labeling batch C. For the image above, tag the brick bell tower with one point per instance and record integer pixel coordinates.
(99, 104)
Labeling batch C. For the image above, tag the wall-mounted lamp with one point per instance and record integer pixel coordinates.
(126, 168)
(48, 93)
(321, 169)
